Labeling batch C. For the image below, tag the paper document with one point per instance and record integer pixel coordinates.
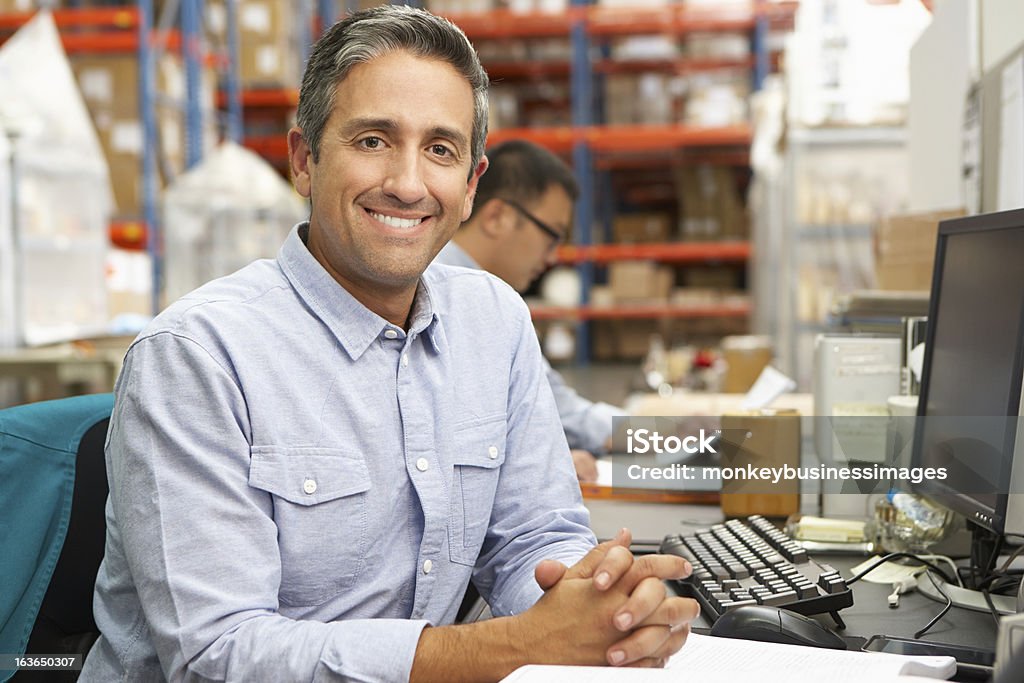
(726, 660)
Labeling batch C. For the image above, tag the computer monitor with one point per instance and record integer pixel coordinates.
(970, 398)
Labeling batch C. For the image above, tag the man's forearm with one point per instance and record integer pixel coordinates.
(484, 651)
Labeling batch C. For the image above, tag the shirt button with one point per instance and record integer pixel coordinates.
(309, 486)
(405, 360)
(390, 334)
(493, 452)
(422, 464)
(427, 566)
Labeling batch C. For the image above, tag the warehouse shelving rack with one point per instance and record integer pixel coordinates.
(596, 149)
(133, 29)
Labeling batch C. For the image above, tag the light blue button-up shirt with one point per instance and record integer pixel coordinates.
(587, 424)
(297, 486)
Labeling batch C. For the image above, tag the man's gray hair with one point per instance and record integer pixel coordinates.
(375, 32)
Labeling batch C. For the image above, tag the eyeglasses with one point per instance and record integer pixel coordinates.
(556, 236)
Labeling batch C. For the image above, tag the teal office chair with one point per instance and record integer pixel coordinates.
(53, 489)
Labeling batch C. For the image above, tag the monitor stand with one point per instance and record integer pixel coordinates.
(964, 597)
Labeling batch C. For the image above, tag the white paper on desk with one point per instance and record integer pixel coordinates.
(725, 660)
(769, 386)
(605, 469)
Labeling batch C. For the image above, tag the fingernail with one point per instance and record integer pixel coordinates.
(624, 621)
(617, 656)
(687, 569)
(602, 579)
(622, 533)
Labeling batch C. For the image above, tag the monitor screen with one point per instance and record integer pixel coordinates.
(971, 382)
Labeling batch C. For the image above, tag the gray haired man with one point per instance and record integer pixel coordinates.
(311, 458)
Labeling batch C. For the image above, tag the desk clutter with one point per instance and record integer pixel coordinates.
(750, 562)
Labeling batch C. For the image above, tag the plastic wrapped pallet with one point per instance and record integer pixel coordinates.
(54, 213)
(229, 210)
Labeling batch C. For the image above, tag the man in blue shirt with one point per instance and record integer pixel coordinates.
(311, 458)
(522, 212)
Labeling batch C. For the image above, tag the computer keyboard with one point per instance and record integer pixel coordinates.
(750, 562)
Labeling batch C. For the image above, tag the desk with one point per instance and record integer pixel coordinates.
(869, 615)
(51, 372)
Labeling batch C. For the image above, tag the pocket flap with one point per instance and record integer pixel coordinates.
(480, 444)
(307, 476)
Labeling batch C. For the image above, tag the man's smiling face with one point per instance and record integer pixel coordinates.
(393, 181)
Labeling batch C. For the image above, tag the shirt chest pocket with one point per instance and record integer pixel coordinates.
(479, 451)
(320, 509)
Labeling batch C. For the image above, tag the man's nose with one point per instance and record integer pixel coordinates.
(404, 179)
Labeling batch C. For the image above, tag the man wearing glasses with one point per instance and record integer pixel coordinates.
(522, 212)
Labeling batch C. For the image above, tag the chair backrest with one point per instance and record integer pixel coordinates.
(53, 490)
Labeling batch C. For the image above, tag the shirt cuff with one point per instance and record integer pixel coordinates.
(597, 427)
(374, 649)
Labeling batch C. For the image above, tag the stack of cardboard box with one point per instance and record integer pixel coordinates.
(268, 38)
(109, 84)
(712, 208)
(905, 250)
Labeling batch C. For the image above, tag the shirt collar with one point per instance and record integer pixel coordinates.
(352, 324)
(455, 255)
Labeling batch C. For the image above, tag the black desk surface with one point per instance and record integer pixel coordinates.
(871, 615)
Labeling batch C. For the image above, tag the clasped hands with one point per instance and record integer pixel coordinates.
(612, 608)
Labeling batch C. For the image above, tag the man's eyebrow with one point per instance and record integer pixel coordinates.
(355, 126)
(452, 134)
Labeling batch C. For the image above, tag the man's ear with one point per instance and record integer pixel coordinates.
(493, 218)
(474, 180)
(300, 159)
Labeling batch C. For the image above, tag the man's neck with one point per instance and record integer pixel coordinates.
(474, 247)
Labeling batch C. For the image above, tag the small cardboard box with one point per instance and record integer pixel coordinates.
(640, 281)
(905, 250)
(761, 438)
(641, 227)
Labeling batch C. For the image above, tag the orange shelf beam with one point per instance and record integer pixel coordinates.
(99, 17)
(678, 252)
(521, 70)
(505, 24)
(273, 147)
(627, 138)
(288, 97)
(639, 312)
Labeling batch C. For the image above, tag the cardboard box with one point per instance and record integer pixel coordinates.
(109, 84)
(763, 438)
(268, 46)
(641, 227)
(746, 356)
(905, 250)
(640, 281)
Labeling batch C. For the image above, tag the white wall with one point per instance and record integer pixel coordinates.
(943, 64)
(1002, 30)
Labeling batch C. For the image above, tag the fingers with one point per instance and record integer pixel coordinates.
(548, 572)
(585, 464)
(649, 646)
(673, 612)
(642, 602)
(597, 561)
(642, 643)
(656, 566)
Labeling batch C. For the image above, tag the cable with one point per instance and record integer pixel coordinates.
(942, 612)
(892, 556)
(948, 560)
(991, 607)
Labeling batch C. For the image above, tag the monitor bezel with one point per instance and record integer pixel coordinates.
(1006, 516)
